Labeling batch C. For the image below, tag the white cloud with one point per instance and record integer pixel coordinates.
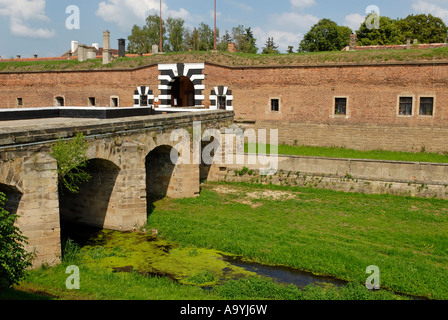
(301, 4)
(354, 21)
(22, 11)
(429, 7)
(126, 13)
(286, 28)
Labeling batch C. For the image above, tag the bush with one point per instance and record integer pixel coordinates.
(71, 158)
(14, 259)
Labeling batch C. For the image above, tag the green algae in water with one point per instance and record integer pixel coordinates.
(146, 254)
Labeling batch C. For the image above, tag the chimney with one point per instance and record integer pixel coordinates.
(106, 47)
(74, 46)
(408, 43)
(353, 41)
(231, 47)
(82, 52)
(121, 47)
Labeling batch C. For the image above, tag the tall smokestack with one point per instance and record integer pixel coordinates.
(121, 47)
(106, 47)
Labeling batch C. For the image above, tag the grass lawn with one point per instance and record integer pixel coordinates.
(326, 232)
(332, 152)
(322, 231)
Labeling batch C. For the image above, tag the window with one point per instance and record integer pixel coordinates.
(92, 102)
(427, 106)
(114, 101)
(222, 102)
(59, 101)
(275, 103)
(405, 106)
(340, 106)
(19, 102)
(143, 100)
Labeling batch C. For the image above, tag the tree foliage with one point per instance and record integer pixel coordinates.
(244, 39)
(270, 47)
(424, 28)
(143, 38)
(14, 259)
(175, 28)
(326, 35)
(71, 159)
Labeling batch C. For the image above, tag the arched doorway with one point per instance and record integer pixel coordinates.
(182, 92)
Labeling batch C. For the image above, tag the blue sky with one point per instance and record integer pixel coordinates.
(39, 26)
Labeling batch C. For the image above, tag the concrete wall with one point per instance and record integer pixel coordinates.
(351, 175)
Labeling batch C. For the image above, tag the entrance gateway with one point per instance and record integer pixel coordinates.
(181, 85)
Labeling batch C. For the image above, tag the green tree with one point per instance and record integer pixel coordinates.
(424, 28)
(143, 38)
(14, 259)
(244, 39)
(175, 28)
(387, 33)
(191, 39)
(325, 35)
(270, 46)
(71, 159)
(206, 37)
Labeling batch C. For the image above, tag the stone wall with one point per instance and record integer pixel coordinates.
(349, 175)
(116, 196)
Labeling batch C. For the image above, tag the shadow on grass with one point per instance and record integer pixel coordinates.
(17, 294)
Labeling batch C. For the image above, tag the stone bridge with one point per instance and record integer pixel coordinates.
(129, 161)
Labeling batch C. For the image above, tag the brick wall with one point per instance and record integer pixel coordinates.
(306, 96)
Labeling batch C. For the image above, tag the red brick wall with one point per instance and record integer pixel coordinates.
(306, 97)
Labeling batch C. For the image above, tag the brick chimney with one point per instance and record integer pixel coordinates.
(231, 47)
(353, 41)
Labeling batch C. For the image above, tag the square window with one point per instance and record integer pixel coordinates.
(222, 102)
(114, 102)
(340, 106)
(143, 100)
(19, 102)
(427, 106)
(275, 104)
(92, 102)
(59, 101)
(405, 107)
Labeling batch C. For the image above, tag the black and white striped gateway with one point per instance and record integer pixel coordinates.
(181, 85)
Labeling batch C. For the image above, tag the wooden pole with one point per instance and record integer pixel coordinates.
(215, 28)
(160, 49)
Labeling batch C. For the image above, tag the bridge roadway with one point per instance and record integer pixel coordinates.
(128, 161)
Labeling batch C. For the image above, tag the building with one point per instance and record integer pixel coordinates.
(390, 105)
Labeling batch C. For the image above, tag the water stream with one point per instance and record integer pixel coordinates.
(151, 256)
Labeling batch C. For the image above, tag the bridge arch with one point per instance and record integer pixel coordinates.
(94, 203)
(13, 197)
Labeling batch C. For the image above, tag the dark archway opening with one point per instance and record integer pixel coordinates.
(159, 173)
(13, 197)
(182, 92)
(84, 212)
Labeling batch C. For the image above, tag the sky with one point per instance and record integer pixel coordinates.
(29, 27)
